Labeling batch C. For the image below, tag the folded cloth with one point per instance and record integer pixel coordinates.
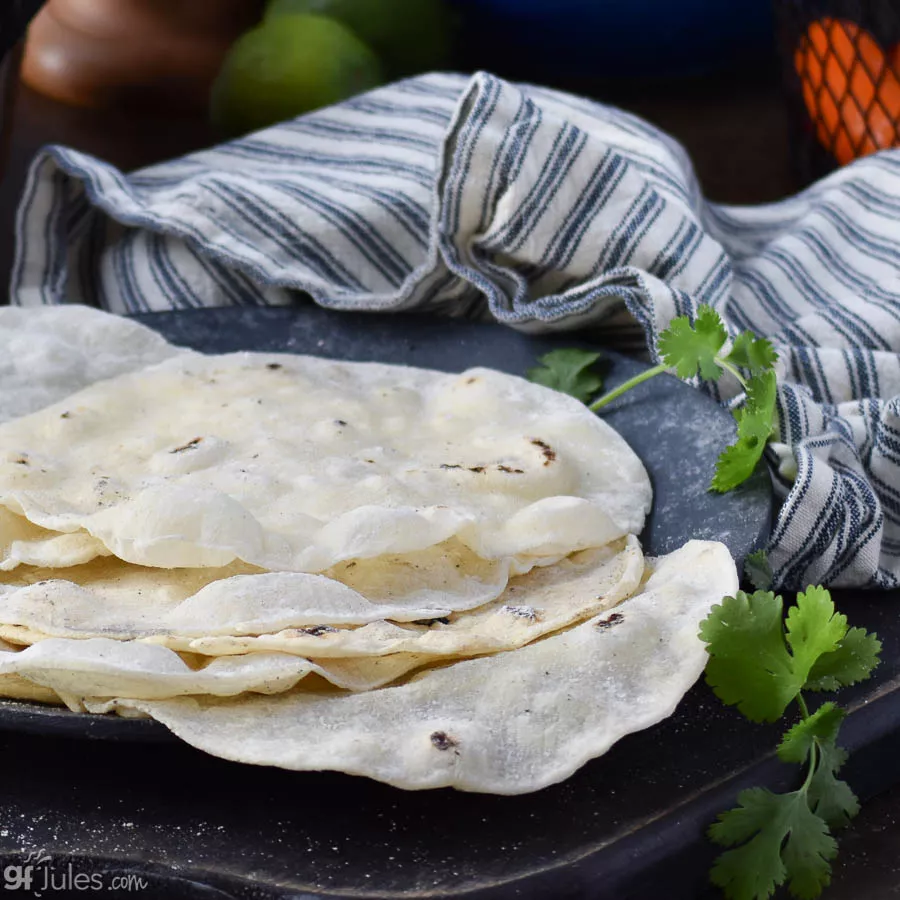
(475, 197)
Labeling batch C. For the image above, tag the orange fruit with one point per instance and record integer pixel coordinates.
(851, 90)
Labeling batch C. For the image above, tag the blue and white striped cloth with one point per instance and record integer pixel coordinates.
(475, 197)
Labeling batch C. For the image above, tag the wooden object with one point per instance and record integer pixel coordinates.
(161, 54)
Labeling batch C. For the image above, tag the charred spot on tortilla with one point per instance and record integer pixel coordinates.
(22, 460)
(450, 466)
(521, 612)
(476, 469)
(443, 741)
(609, 621)
(65, 415)
(547, 451)
(510, 471)
(274, 366)
(192, 444)
(340, 423)
(440, 620)
(318, 630)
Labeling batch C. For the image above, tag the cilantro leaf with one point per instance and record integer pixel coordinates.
(687, 348)
(760, 662)
(749, 665)
(822, 724)
(568, 371)
(854, 659)
(807, 853)
(755, 424)
(752, 353)
(830, 797)
(690, 347)
(758, 570)
(758, 666)
(813, 629)
(780, 839)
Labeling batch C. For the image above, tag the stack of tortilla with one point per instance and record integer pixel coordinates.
(424, 578)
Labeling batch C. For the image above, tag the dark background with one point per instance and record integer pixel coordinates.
(734, 123)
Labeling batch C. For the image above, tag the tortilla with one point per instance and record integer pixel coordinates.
(48, 353)
(296, 464)
(23, 543)
(506, 724)
(533, 605)
(111, 598)
(69, 669)
(15, 687)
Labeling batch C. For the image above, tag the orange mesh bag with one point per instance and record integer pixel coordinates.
(842, 62)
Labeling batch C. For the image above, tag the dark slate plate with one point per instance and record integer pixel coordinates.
(677, 432)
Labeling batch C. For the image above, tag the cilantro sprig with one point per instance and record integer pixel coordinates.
(569, 371)
(689, 349)
(761, 662)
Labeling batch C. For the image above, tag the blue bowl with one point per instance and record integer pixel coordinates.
(613, 38)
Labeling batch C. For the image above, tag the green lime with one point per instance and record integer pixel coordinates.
(288, 67)
(410, 36)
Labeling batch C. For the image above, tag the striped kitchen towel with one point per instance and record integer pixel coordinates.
(475, 197)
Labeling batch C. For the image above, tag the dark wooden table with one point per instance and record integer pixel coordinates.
(734, 126)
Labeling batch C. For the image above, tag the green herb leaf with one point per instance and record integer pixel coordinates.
(822, 724)
(756, 421)
(784, 839)
(807, 853)
(568, 371)
(758, 570)
(830, 797)
(749, 665)
(760, 662)
(752, 353)
(692, 347)
(687, 348)
(813, 629)
(854, 659)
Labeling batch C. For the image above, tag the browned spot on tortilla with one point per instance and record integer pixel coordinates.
(450, 466)
(476, 469)
(511, 471)
(609, 621)
(529, 613)
(65, 415)
(190, 445)
(442, 741)
(22, 461)
(547, 451)
(471, 380)
(318, 630)
(274, 366)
